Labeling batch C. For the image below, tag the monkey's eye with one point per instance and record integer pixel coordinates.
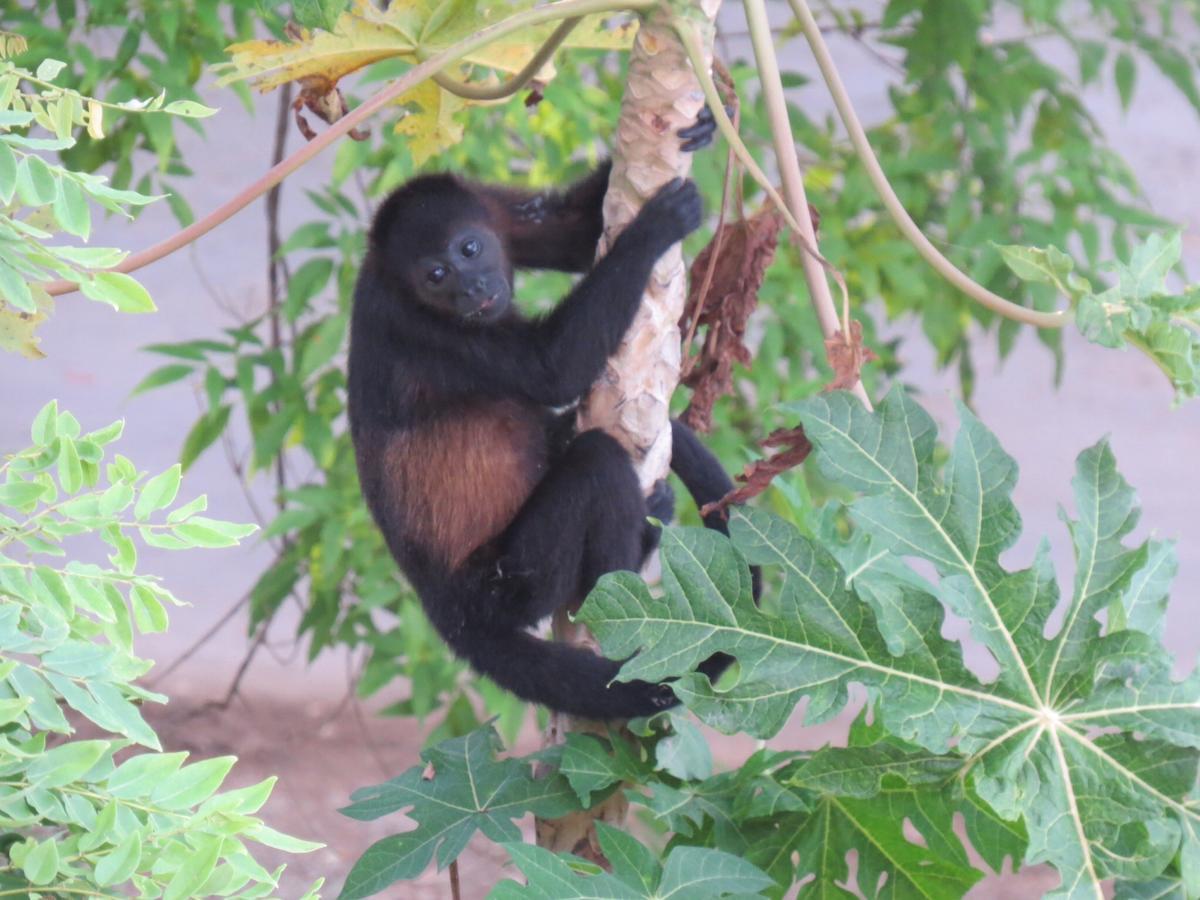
(470, 248)
(437, 274)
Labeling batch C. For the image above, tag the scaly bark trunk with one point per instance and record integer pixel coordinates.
(631, 399)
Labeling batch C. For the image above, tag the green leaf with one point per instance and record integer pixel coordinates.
(1125, 72)
(684, 753)
(460, 788)
(14, 290)
(139, 775)
(159, 492)
(119, 291)
(591, 764)
(697, 873)
(318, 13)
(306, 282)
(45, 424)
(163, 375)
(64, 764)
(36, 183)
(1037, 748)
(690, 873)
(41, 863)
(70, 472)
(20, 493)
(192, 784)
(148, 612)
(205, 532)
(8, 173)
(196, 868)
(119, 865)
(206, 430)
(13, 709)
(48, 69)
(71, 209)
(189, 109)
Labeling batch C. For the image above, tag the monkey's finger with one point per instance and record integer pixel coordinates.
(700, 134)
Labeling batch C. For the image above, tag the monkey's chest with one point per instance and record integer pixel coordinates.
(460, 480)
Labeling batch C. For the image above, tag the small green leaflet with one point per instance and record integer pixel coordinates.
(688, 873)
(1095, 807)
(460, 788)
(1140, 310)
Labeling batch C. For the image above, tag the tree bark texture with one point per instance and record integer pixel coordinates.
(631, 399)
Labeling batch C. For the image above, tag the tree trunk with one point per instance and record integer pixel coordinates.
(631, 399)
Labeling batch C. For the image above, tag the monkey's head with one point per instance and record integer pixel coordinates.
(434, 238)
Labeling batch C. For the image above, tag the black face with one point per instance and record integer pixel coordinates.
(469, 278)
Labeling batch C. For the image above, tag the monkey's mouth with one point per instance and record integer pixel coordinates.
(487, 306)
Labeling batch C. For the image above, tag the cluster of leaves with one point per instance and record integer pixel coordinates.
(1082, 752)
(462, 788)
(94, 816)
(38, 198)
(988, 141)
(1139, 310)
(119, 51)
(1083, 738)
(364, 34)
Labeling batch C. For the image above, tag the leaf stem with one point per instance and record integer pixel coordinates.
(895, 208)
(518, 81)
(793, 183)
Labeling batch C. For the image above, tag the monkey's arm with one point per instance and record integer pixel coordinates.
(550, 229)
(554, 360)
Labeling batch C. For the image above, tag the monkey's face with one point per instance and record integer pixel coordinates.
(469, 277)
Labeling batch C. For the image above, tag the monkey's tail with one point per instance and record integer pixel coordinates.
(560, 676)
(705, 479)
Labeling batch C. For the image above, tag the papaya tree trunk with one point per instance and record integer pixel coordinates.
(631, 399)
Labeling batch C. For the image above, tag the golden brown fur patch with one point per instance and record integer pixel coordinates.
(458, 482)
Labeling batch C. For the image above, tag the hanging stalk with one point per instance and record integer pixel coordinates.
(631, 399)
(789, 171)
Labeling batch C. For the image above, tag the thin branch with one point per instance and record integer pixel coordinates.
(691, 43)
(200, 641)
(518, 81)
(277, 273)
(793, 183)
(551, 12)
(899, 214)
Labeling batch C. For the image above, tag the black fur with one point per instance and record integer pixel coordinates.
(495, 516)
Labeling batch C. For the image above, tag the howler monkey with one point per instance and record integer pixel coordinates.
(497, 512)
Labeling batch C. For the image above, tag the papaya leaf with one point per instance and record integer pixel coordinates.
(688, 873)
(1083, 735)
(459, 788)
(1140, 310)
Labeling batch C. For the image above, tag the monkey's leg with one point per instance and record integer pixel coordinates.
(585, 518)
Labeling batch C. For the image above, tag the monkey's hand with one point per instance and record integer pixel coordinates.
(700, 133)
(669, 216)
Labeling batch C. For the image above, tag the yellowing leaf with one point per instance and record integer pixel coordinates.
(511, 53)
(431, 126)
(17, 328)
(319, 58)
(95, 120)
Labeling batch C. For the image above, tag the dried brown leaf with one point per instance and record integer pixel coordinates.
(759, 474)
(725, 280)
(847, 357)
